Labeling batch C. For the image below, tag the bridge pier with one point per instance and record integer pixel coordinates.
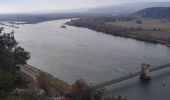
(144, 75)
(145, 69)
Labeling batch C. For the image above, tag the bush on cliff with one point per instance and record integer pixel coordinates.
(11, 55)
(82, 91)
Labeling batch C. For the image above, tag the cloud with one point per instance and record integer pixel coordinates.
(13, 6)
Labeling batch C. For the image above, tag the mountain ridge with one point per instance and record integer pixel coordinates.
(129, 8)
(154, 12)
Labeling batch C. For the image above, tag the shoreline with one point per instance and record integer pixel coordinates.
(42, 80)
(125, 34)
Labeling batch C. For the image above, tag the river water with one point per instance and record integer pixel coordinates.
(78, 53)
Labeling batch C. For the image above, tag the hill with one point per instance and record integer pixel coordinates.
(154, 12)
(128, 8)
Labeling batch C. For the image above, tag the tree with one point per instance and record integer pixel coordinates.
(139, 21)
(168, 40)
(8, 82)
(11, 55)
(82, 91)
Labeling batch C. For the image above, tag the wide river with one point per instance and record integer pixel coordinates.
(78, 53)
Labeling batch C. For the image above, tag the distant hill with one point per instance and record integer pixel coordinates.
(154, 12)
(128, 8)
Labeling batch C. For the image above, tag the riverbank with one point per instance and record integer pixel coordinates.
(13, 26)
(38, 79)
(138, 33)
(101, 57)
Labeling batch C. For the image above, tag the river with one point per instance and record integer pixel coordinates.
(78, 53)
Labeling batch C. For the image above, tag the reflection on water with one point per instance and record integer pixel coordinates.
(72, 53)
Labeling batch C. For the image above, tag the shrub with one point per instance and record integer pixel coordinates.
(82, 91)
(8, 82)
(139, 21)
(11, 55)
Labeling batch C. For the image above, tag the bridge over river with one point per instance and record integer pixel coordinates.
(145, 69)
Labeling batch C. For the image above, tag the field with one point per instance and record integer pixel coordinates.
(148, 24)
(157, 28)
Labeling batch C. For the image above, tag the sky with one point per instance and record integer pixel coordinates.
(25, 6)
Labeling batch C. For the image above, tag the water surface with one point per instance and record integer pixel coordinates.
(78, 53)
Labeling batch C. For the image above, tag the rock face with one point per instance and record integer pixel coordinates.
(41, 92)
(23, 92)
(28, 92)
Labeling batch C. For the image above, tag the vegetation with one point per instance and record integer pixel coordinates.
(111, 18)
(82, 91)
(23, 98)
(135, 32)
(98, 25)
(11, 55)
(139, 22)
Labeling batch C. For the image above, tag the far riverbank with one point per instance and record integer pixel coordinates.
(135, 33)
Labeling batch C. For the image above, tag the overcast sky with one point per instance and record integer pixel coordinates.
(17, 6)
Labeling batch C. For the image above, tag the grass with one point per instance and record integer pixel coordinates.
(148, 24)
(151, 30)
(154, 28)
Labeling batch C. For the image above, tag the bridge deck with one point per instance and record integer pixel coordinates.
(128, 76)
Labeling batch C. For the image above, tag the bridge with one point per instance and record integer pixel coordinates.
(145, 70)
